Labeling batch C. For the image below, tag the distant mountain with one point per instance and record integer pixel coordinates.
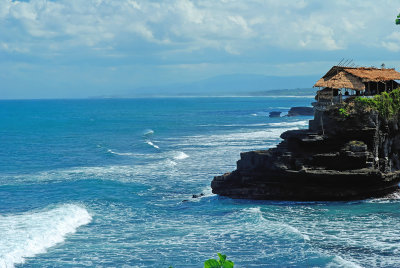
(286, 92)
(235, 84)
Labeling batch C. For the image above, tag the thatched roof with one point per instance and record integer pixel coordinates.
(354, 78)
(341, 80)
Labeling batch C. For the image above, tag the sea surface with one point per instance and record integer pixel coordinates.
(101, 182)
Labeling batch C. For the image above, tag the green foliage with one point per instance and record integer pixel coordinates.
(398, 19)
(221, 263)
(343, 112)
(356, 143)
(387, 104)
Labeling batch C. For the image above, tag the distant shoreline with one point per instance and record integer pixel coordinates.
(159, 97)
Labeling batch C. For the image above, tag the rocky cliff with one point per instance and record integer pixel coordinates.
(340, 157)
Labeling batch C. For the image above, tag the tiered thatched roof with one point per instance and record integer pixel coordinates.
(354, 78)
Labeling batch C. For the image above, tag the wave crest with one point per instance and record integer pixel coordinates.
(180, 156)
(26, 235)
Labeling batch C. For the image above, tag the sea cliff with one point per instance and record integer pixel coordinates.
(350, 151)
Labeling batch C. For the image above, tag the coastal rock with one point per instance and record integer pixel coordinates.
(337, 158)
(296, 111)
(275, 114)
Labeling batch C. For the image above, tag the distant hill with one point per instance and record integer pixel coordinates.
(286, 92)
(235, 84)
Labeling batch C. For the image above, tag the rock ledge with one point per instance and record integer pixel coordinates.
(337, 158)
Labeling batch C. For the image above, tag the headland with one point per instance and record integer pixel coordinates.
(350, 151)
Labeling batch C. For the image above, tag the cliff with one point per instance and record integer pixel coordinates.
(342, 156)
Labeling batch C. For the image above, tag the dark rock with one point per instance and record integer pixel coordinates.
(337, 158)
(296, 111)
(275, 114)
(197, 195)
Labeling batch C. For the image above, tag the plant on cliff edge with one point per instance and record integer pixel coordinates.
(221, 263)
(343, 112)
(387, 104)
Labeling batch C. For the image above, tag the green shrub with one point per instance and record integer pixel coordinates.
(221, 263)
(387, 104)
(343, 112)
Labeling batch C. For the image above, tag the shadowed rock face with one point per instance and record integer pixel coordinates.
(296, 111)
(337, 158)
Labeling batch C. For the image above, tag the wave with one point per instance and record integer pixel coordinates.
(289, 124)
(117, 153)
(148, 132)
(170, 162)
(180, 156)
(279, 228)
(338, 261)
(152, 144)
(386, 199)
(32, 233)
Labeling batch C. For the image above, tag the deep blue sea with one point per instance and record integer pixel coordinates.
(101, 182)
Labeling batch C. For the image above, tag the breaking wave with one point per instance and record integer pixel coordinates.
(26, 235)
(152, 144)
(180, 156)
(117, 153)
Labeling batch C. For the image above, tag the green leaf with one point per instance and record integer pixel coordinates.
(228, 264)
(222, 258)
(211, 263)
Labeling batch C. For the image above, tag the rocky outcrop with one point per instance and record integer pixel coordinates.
(296, 111)
(338, 158)
(275, 114)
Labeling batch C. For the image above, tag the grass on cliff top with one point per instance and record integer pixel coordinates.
(387, 104)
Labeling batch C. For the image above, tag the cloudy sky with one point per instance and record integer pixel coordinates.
(80, 48)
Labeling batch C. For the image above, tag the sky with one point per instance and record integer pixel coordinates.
(86, 48)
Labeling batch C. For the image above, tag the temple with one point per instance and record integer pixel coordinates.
(342, 82)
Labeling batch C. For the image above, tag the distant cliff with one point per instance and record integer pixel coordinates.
(350, 151)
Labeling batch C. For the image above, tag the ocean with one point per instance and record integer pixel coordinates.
(109, 183)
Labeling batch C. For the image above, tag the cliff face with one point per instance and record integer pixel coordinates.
(338, 158)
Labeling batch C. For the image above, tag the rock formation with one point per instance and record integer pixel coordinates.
(296, 111)
(275, 114)
(340, 157)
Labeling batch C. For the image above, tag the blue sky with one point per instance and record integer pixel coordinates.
(81, 48)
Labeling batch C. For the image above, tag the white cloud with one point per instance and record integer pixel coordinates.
(393, 42)
(232, 26)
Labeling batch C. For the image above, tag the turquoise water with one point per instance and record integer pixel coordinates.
(101, 183)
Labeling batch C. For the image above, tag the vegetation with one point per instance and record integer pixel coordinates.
(221, 263)
(343, 112)
(398, 19)
(356, 143)
(387, 104)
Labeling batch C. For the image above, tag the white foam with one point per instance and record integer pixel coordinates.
(117, 153)
(289, 124)
(281, 228)
(340, 262)
(171, 163)
(148, 132)
(180, 156)
(152, 144)
(28, 234)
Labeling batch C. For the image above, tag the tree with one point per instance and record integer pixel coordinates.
(398, 19)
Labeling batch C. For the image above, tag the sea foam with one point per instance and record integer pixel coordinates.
(180, 156)
(152, 144)
(148, 132)
(118, 153)
(28, 234)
